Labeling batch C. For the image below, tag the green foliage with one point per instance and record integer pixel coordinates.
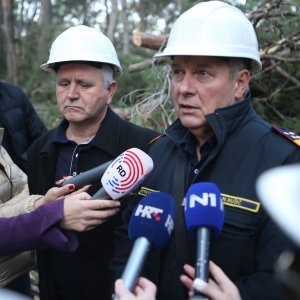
(146, 93)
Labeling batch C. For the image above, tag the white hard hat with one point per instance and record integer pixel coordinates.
(82, 43)
(279, 191)
(213, 28)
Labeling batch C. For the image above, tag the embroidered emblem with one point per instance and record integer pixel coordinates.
(241, 203)
(290, 135)
(145, 191)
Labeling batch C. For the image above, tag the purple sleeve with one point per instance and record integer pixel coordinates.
(36, 230)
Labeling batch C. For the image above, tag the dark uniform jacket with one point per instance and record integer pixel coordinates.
(244, 146)
(95, 247)
(21, 122)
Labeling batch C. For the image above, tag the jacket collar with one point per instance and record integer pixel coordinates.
(223, 121)
(108, 135)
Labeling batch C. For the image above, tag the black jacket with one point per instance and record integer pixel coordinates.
(21, 122)
(96, 246)
(244, 147)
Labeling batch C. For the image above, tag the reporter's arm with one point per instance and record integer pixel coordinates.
(36, 230)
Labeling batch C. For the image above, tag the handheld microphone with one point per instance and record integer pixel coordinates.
(124, 174)
(204, 218)
(150, 226)
(88, 176)
(279, 183)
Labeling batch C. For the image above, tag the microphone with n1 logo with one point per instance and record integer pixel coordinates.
(150, 226)
(204, 218)
(124, 174)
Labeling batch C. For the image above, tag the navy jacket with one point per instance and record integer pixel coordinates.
(21, 122)
(96, 246)
(243, 148)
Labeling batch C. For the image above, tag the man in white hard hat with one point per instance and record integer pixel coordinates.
(86, 66)
(218, 138)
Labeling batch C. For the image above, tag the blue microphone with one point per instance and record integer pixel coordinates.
(204, 219)
(150, 226)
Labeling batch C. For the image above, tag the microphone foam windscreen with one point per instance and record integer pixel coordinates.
(153, 218)
(126, 172)
(204, 208)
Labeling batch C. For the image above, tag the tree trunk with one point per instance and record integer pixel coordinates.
(124, 15)
(45, 22)
(112, 20)
(10, 53)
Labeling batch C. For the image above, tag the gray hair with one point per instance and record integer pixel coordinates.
(108, 74)
(236, 64)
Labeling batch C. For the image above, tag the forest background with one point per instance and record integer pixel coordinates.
(28, 28)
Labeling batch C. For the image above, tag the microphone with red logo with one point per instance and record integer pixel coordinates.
(88, 177)
(150, 226)
(124, 174)
(204, 218)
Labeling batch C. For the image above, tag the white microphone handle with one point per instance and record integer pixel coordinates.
(135, 263)
(202, 261)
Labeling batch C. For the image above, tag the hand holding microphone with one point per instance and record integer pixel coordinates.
(219, 286)
(150, 226)
(124, 174)
(204, 218)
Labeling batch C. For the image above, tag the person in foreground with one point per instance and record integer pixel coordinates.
(86, 66)
(28, 222)
(218, 138)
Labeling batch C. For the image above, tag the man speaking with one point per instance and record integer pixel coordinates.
(217, 138)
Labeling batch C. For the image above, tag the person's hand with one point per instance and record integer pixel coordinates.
(145, 290)
(59, 192)
(82, 214)
(219, 286)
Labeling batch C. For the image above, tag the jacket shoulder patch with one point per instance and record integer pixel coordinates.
(145, 191)
(288, 134)
(240, 203)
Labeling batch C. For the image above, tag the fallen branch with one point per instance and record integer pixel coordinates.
(150, 41)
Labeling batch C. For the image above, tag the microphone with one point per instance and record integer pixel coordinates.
(124, 174)
(276, 184)
(88, 176)
(150, 226)
(204, 218)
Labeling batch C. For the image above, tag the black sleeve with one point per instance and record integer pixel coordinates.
(271, 243)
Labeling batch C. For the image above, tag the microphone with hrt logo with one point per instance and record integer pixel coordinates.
(204, 218)
(150, 226)
(124, 174)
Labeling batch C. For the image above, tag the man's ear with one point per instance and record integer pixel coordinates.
(111, 89)
(242, 84)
